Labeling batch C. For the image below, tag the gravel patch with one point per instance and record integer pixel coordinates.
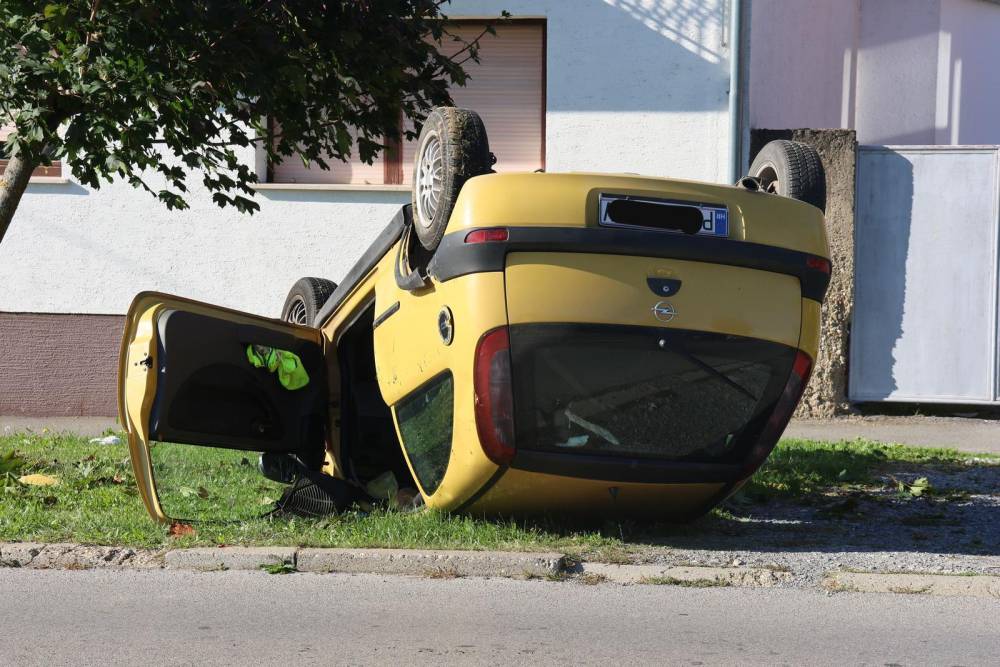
(952, 529)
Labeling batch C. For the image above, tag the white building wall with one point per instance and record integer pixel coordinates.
(632, 85)
(897, 71)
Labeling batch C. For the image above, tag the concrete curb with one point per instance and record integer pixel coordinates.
(431, 563)
(679, 575)
(210, 559)
(69, 556)
(982, 585)
(449, 564)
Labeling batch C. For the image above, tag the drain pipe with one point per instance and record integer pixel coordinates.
(735, 90)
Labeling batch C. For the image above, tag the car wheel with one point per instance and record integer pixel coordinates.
(791, 169)
(305, 299)
(451, 149)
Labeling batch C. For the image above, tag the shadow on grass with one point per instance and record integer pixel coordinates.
(831, 497)
(808, 497)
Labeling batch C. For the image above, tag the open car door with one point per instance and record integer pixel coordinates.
(199, 387)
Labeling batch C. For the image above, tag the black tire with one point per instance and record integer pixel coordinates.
(791, 169)
(305, 299)
(463, 151)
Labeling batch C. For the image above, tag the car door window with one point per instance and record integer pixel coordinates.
(425, 424)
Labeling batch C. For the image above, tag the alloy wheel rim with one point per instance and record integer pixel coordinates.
(430, 180)
(767, 176)
(297, 312)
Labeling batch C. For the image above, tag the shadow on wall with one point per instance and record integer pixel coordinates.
(904, 72)
(882, 242)
(630, 55)
(69, 188)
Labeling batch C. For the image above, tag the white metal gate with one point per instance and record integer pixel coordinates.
(926, 286)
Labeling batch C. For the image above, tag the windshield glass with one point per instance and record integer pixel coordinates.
(642, 392)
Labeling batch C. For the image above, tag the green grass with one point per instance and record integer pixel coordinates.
(96, 501)
(799, 467)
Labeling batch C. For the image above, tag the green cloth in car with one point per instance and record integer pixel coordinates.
(291, 374)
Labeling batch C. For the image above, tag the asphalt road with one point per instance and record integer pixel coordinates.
(52, 617)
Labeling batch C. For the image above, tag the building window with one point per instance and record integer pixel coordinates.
(54, 169)
(425, 425)
(507, 88)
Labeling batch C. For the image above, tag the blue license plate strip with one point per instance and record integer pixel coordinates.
(715, 217)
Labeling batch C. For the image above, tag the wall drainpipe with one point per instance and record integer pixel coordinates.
(736, 89)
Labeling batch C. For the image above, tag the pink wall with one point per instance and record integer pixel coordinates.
(897, 71)
(797, 62)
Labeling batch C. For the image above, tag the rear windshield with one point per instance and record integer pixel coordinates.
(643, 392)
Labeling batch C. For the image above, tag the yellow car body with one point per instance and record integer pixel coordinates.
(534, 319)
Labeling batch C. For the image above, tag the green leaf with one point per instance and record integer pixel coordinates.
(279, 568)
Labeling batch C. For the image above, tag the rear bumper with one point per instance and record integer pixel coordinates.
(619, 469)
(454, 257)
(520, 492)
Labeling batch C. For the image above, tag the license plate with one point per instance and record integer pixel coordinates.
(715, 218)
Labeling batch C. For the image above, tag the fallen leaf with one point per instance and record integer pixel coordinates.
(38, 480)
(117, 479)
(178, 529)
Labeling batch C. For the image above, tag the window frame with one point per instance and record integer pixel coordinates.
(393, 164)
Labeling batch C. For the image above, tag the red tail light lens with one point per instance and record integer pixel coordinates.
(487, 235)
(494, 399)
(797, 381)
(820, 264)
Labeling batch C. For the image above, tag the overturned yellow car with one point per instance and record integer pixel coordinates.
(510, 343)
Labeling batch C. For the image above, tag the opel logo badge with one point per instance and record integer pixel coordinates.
(663, 311)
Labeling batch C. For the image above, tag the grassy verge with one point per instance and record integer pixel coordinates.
(800, 467)
(96, 502)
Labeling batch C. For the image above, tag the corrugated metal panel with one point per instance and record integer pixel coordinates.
(506, 87)
(925, 310)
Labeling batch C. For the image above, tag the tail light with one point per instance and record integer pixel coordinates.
(821, 264)
(775, 426)
(491, 235)
(494, 399)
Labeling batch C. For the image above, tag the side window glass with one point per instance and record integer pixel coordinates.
(425, 423)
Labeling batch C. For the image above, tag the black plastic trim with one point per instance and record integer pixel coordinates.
(389, 312)
(415, 279)
(664, 286)
(618, 469)
(455, 258)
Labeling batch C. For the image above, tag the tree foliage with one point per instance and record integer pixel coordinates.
(127, 88)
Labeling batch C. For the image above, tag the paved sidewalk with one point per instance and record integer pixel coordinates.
(964, 434)
(80, 425)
